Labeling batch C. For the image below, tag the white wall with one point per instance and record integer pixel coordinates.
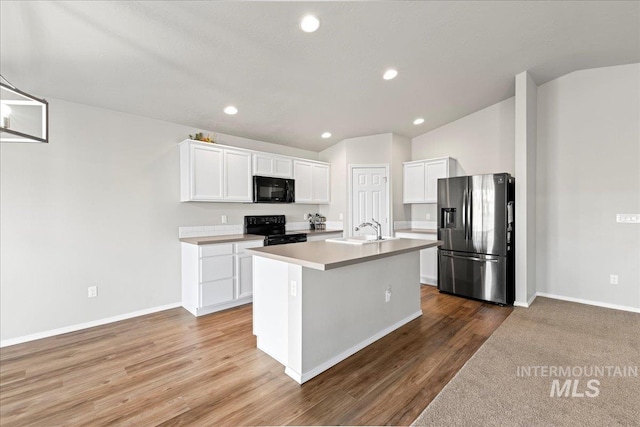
(99, 205)
(588, 169)
(482, 142)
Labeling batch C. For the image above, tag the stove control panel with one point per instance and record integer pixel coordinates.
(264, 219)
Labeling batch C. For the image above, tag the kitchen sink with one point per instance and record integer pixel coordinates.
(360, 240)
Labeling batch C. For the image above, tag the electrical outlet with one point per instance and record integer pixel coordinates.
(613, 279)
(387, 294)
(428, 217)
(224, 219)
(628, 218)
(92, 291)
(305, 217)
(340, 216)
(294, 288)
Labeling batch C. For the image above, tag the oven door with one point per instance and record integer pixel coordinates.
(284, 239)
(272, 190)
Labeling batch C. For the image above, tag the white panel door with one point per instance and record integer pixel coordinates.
(369, 199)
(207, 167)
(237, 173)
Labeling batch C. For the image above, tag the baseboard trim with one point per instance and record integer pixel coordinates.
(224, 306)
(525, 304)
(428, 280)
(306, 376)
(589, 302)
(86, 325)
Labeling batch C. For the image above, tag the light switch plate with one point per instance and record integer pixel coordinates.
(92, 291)
(628, 218)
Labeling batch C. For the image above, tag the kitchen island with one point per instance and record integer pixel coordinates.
(317, 303)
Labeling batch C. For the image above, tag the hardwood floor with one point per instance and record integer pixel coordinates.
(171, 369)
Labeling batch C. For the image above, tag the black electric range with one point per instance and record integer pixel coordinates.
(273, 228)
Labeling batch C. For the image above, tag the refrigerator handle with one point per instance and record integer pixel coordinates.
(468, 257)
(470, 213)
(509, 222)
(464, 212)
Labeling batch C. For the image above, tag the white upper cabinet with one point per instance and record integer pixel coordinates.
(237, 176)
(219, 173)
(420, 183)
(265, 164)
(312, 181)
(210, 173)
(414, 182)
(302, 176)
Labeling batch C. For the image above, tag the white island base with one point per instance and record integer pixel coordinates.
(309, 319)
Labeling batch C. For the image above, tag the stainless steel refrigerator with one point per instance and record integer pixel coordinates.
(476, 224)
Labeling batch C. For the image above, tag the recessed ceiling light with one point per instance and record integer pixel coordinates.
(231, 110)
(390, 74)
(418, 121)
(309, 24)
(326, 135)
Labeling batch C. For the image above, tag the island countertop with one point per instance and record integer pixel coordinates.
(323, 255)
(418, 230)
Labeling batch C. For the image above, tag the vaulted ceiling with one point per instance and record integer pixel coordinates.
(184, 61)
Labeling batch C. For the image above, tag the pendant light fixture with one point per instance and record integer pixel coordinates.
(24, 118)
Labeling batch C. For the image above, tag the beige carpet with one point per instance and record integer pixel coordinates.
(495, 389)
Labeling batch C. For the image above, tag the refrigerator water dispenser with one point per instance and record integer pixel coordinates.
(448, 217)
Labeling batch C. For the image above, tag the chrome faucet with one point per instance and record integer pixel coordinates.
(373, 224)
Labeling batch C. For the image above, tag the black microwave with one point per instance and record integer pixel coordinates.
(273, 190)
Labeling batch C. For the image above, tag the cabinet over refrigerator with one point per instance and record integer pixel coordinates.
(476, 225)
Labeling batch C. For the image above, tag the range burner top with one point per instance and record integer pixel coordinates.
(273, 227)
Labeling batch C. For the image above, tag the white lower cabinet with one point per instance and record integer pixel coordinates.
(428, 257)
(244, 269)
(216, 292)
(216, 276)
